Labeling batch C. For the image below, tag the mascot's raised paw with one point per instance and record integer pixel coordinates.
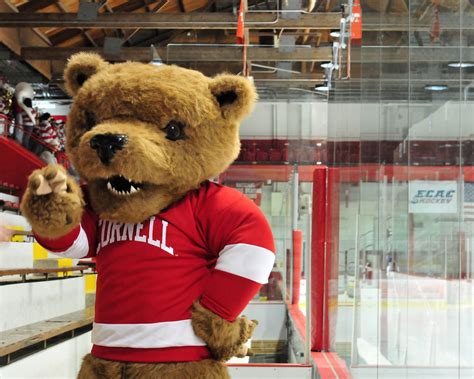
(224, 339)
(52, 202)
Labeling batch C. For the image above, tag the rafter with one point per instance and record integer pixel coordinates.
(196, 20)
(190, 53)
(35, 30)
(36, 5)
(14, 39)
(157, 8)
(182, 8)
(411, 55)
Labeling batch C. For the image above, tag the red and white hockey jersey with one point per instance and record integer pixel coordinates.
(214, 245)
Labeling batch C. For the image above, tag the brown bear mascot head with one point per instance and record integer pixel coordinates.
(155, 131)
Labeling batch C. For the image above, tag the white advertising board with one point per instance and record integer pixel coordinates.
(433, 196)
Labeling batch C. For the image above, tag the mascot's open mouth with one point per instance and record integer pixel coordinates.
(121, 186)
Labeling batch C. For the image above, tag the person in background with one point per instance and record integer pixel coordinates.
(59, 125)
(391, 266)
(7, 93)
(5, 234)
(46, 133)
(25, 114)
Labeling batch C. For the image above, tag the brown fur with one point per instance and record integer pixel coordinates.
(96, 368)
(224, 338)
(139, 100)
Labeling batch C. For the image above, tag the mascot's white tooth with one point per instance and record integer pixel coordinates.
(109, 186)
(133, 189)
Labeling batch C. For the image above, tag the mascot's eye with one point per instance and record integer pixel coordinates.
(174, 131)
(91, 121)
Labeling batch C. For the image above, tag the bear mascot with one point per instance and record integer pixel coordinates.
(178, 256)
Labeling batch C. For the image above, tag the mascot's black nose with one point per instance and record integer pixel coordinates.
(107, 145)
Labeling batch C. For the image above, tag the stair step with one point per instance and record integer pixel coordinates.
(14, 342)
(56, 263)
(23, 272)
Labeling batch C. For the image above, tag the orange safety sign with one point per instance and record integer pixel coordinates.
(356, 27)
(240, 25)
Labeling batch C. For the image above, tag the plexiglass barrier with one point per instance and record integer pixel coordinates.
(402, 137)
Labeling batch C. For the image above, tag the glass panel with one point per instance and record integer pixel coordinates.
(400, 136)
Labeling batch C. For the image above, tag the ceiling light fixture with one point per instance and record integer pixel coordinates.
(155, 57)
(461, 64)
(436, 87)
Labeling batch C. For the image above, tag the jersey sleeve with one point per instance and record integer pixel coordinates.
(239, 235)
(78, 243)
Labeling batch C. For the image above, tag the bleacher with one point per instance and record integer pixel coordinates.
(45, 302)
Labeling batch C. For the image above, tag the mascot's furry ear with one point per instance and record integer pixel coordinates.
(81, 67)
(235, 96)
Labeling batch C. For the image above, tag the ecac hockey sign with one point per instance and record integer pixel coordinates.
(428, 196)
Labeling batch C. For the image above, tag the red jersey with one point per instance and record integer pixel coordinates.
(214, 245)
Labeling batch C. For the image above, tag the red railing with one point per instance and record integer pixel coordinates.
(6, 124)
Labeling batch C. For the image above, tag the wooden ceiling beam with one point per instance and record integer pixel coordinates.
(288, 82)
(14, 39)
(128, 6)
(189, 53)
(36, 5)
(63, 36)
(411, 55)
(38, 32)
(300, 77)
(195, 20)
(399, 22)
(157, 8)
(182, 8)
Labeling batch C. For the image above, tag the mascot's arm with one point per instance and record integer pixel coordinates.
(53, 204)
(243, 239)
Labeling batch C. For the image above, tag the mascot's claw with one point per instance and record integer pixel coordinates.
(56, 184)
(224, 339)
(52, 202)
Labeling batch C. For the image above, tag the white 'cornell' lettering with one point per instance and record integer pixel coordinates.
(111, 232)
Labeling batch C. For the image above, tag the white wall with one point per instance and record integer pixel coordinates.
(14, 220)
(347, 121)
(16, 255)
(60, 361)
(271, 371)
(27, 303)
(271, 320)
(286, 121)
(397, 121)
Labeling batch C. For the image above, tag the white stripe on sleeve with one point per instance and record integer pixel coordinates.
(79, 249)
(249, 261)
(146, 336)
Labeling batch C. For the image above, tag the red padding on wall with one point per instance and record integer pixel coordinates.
(324, 259)
(297, 255)
(318, 294)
